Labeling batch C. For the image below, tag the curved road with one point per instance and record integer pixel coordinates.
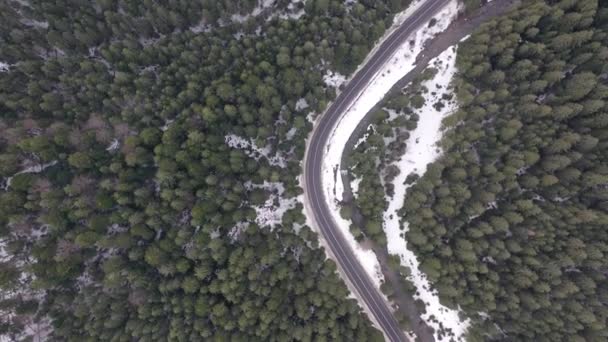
(313, 185)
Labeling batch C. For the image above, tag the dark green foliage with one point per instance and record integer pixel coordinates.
(130, 209)
(518, 200)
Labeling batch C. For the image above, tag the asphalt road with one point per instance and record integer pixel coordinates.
(313, 186)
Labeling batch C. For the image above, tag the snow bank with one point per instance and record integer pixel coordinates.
(397, 67)
(422, 150)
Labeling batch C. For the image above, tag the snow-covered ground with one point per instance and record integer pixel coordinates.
(4, 67)
(292, 10)
(113, 146)
(301, 104)
(422, 150)
(354, 185)
(397, 67)
(271, 212)
(37, 168)
(262, 5)
(255, 152)
(333, 79)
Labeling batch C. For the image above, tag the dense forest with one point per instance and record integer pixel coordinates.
(510, 223)
(124, 213)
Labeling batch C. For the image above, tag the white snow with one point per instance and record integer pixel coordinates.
(291, 133)
(31, 169)
(113, 146)
(354, 186)
(292, 13)
(422, 150)
(334, 79)
(166, 125)
(310, 117)
(37, 331)
(301, 104)
(465, 38)
(201, 26)
(4, 67)
(149, 41)
(271, 212)
(3, 254)
(262, 5)
(402, 16)
(365, 136)
(35, 23)
(255, 152)
(236, 231)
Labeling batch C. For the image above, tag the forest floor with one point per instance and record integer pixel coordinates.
(457, 31)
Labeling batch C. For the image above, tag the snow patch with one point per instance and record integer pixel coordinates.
(256, 11)
(354, 185)
(301, 104)
(35, 23)
(271, 212)
(149, 41)
(202, 26)
(166, 125)
(37, 331)
(113, 146)
(421, 150)
(363, 139)
(32, 169)
(236, 231)
(4, 67)
(292, 11)
(402, 16)
(291, 133)
(465, 38)
(255, 152)
(334, 79)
